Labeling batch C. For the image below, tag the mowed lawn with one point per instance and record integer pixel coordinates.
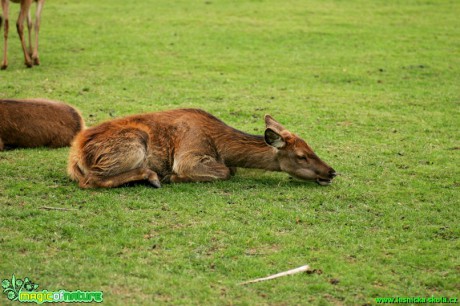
(372, 86)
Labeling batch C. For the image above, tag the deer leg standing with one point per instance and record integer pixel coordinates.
(29, 31)
(5, 8)
(38, 15)
(25, 6)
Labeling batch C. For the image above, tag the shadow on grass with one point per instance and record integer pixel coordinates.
(237, 182)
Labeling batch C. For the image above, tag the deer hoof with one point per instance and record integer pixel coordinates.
(4, 67)
(155, 183)
(36, 61)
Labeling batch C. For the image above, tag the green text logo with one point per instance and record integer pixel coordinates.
(25, 291)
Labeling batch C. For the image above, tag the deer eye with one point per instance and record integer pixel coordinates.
(301, 158)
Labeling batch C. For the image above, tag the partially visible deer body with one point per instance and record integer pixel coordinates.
(31, 55)
(36, 123)
(186, 145)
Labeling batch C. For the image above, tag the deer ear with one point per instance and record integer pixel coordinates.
(274, 139)
(274, 125)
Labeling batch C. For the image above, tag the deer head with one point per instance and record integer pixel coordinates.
(295, 156)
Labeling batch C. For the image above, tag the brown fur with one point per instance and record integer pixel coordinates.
(185, 145)
(35, 123)
(30, 56)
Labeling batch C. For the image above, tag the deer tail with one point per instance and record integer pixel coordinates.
(75, 169)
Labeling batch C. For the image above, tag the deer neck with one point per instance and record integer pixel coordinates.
(239, 149)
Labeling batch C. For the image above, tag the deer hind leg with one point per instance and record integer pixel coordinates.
(195, 167)
(38, 15)
(29, 31)
(25, 7)
(116, 158)
(138, 174)
(5, 9)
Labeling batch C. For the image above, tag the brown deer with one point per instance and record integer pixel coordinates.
(35, 123)
(31, 55)
(186, 145)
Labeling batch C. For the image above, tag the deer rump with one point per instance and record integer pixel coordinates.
(36, 123)
(185, 145)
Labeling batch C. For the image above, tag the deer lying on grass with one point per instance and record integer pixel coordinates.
(31, 55)
(35, 123)
(186, 145)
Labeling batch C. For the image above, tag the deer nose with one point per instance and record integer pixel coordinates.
(332, 173)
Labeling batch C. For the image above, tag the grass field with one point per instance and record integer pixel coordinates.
(373, 86)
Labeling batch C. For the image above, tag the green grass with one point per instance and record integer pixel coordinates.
(374, 87)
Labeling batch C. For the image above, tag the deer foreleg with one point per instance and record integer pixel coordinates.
(198, 168)
(29, 31)
(25, 6)
(5, 8)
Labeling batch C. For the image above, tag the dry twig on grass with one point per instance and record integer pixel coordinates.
(56, 208)
(289, 272)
